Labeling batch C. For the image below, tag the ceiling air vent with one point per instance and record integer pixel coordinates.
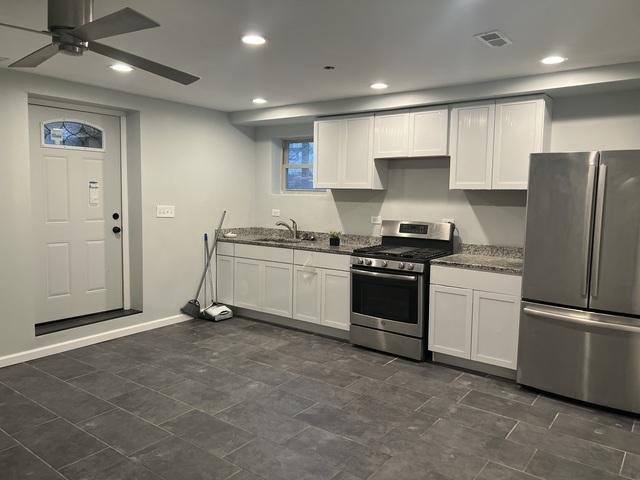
(494, 38)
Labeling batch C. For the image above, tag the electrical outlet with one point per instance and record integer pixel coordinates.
(377, 220)
(165, 211)
(275, 212)
(448, 220)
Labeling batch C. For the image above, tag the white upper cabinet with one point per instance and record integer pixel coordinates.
(415, 133)
(490, 142)
(344, 154)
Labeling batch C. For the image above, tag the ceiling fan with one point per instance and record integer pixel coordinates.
(73, 31)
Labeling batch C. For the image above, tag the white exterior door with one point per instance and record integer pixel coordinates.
(76, 202)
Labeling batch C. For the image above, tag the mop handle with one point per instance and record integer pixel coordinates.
(213, 247)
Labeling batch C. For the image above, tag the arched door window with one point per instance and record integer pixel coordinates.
(72, 134)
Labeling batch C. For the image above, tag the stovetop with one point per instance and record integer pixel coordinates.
(400, 252)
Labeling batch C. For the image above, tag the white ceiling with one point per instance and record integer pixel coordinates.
(410, 44)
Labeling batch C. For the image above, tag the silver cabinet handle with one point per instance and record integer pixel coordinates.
(597, 235)
(580, 321)
(408, 278)
(588, 230)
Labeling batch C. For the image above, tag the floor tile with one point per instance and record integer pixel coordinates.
(593, 414)
(5, 440)
(107, 465)
(207, 432)
(359, 353)
(509, 408)
(241, 388)
(589, 453)
(494, 471)
(315, 350)
(245, 475)
(389, 416)
(201, 396)
(427, 385)
(17, 463)
(631, 466)
(261, 421)
(103, 359)
(468, 416)
(58, 442)
(18, 412)
(321, 372)
(363, 368)
(345, 454)
(479, 443)
(498, 387)
(104, 385)
(151, 405)
(174, 458)
(274, 462)
(551, 467)
(275, 358)
(254, 370)
(62, 366)
(431, 370)
(123, 431)
(403, 468)
(397, 396)
(284, 403)
(595, 432)
(319, 391)
(151, 376)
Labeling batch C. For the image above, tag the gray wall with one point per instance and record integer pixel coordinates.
(189, 157)
(418, 189)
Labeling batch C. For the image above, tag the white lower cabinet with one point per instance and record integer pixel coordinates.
(306, 294)
(224, 279)
(321, 296)
(336, 299)
(263, 286)
(246, 283)
(475, 315)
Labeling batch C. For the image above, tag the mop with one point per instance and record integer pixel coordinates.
(215, 311)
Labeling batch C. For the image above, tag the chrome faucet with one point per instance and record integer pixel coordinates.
(293, 228)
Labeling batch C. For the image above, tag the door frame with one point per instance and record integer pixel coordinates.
(69, 105)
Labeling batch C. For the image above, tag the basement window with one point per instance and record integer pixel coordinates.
(297, 165)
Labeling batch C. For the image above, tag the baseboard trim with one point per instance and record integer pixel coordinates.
(475, 366)
(89, 340)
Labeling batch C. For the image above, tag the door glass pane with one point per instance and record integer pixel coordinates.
(69, 133)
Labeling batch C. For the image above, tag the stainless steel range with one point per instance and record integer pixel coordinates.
(390, 285)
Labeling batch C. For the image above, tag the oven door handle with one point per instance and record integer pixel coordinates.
(408, 278)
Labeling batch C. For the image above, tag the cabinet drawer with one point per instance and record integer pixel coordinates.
(225, 248)
(504, 283)
(271, 254)
(322, 260)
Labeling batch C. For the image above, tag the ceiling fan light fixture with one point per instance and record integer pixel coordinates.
(253, 39)
(121, 67)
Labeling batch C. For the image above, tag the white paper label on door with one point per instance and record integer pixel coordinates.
(56, 136)
(94, 193)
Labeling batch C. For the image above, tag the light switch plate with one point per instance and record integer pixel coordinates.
(275, 212)
(376, 220)
(165, 211)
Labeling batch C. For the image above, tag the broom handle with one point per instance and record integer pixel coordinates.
(213, 247)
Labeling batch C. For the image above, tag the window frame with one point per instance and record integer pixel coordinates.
(72, 147)
(284, 166)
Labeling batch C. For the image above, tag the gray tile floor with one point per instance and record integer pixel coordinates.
(244, 400)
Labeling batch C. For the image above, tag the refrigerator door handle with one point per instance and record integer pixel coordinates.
(587, 232)
(597, 235)
(536, 312)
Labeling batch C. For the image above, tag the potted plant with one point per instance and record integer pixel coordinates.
(334, 239)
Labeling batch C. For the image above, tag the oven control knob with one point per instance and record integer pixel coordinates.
(367, 262)
(410, 266)
(360, 261)
(401, 265)
(384, 263)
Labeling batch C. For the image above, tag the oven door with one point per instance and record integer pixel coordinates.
(393, 302)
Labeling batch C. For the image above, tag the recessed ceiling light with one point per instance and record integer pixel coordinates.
(254, 39)
(379, 86)
(259, 101)
(121, 67)
(553, 60)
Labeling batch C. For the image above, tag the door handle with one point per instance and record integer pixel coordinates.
(620, 327)
(116, 229)
(588, 230)
(597, 235)
(407, 278)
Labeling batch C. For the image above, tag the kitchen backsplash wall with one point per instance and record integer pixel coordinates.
(418, 189)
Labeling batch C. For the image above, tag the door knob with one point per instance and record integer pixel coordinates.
(116, 229)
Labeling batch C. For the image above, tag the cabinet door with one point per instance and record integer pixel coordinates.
(429, 133)
(328, 139)
(521, 128)
(306, 294)
(357, 162)
(471, 145)
(336, 299)
(224, 279)
(496, 319)
(391, 138)
(246, 284)
(277, 288)
(450, 316)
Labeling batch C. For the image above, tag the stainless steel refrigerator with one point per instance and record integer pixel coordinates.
(580, 318)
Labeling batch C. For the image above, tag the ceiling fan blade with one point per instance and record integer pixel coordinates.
(36, 58)
(25, 29)
(123, 21)
(143, 63)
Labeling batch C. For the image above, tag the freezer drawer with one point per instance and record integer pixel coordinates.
(587, 356)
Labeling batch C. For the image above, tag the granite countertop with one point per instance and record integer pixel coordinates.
(485, 258)
(268, 237)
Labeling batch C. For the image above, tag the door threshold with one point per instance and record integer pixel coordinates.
(74, 322)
